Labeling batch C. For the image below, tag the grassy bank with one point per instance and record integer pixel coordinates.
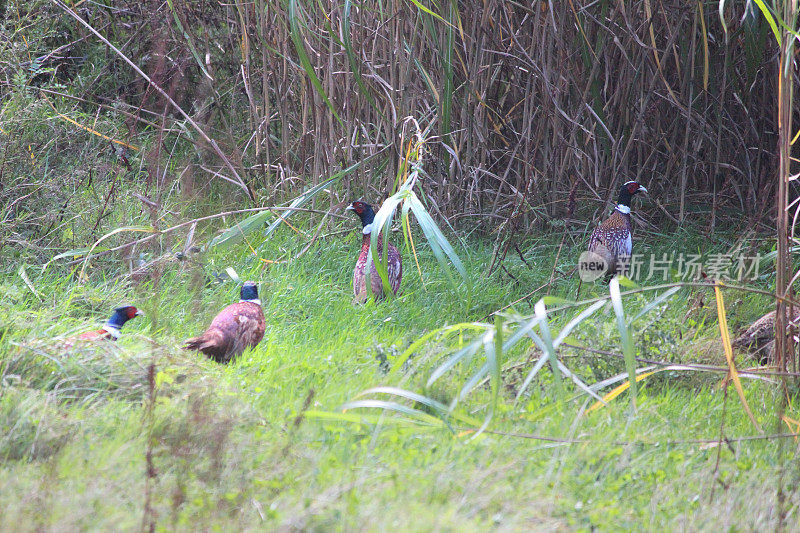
(249, 447)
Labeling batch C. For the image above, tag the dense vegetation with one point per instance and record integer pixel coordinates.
(506, 125)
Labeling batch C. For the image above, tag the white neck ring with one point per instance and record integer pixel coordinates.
(114, 332)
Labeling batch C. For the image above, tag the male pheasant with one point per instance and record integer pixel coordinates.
(613, 239)
(395, 262)
(238, 326)
(110, 330)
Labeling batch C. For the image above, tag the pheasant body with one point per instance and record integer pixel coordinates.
(394, 270)
(759, 337)
(110, 330)
(360, 274)
(613, 238)
(239, 326)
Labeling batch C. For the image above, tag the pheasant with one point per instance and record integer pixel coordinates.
(759, 338)
(612, 240)
(238, 326)
(395, 262)
(110, 330)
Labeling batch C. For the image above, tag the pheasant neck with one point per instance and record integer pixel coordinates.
(256, 301)
(113, 331)
(366, 241)
(624, 209)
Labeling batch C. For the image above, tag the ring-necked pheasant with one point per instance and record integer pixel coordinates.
(395, 262)
(110, 330)
(759, 337)
(238, 326)
(613, 238)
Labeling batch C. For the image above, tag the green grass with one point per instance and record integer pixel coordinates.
(231, 453)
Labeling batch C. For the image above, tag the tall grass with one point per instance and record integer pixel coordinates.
(263, 443)
(267, 99)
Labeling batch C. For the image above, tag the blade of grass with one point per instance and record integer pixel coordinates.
(347, 44)
(726, 344)
(189, 41)
(415, 414)
(439, 244)
(464, 353)
(620, 389)
(493, 346)
(313, 191)
(238, 231)
(138, 229)
(549, 350)
(655, 303)
(625, 335)
(358, 418)
(381, 225)
(576, 380)
(420, 398)
(444, 332)
(572, 324)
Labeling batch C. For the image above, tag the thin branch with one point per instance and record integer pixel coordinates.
(163, 93)
(201, 219)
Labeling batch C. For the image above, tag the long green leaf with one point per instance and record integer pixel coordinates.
(519, 333)
(439, 243)
(382, 224)
(446, 103)
(655, 303)
(444, 332)
(572, 324)
(625, 335)
(494, 355)
(770, 19)
(567, 372)
(189, 41)
(474, 380)
(76, 252)
(535, 370)
(237, 232)
(313, 191)
(396, 407)
(466, 352)
(413, 396)
(361, 418)
(137, 229)
(420, 398)
(549, 350)
(429, 12)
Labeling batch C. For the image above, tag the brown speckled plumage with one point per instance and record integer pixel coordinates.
(613, 238)
(235, 328)
(395, 271)
(394, 265)
(759, 337)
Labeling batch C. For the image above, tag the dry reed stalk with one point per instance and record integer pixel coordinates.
(527, 101)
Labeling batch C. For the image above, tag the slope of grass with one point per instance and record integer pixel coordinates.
(233, 449)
